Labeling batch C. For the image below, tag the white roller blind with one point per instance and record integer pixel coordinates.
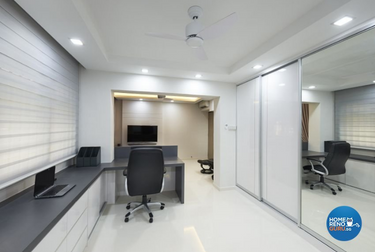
(355, 116)
(38, 99)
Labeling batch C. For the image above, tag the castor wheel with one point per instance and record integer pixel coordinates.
(161, 207)
(312, 187)
(128, 207)
(126, 219)
(334, 193)
(339, 188)
(151, 220)
(306, 182)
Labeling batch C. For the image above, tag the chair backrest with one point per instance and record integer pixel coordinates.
(337, 156)
(145, 171)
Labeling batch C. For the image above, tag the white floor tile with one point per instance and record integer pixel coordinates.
(209, 221)
(318, 203)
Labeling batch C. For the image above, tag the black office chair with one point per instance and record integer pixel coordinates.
(144, 176)
(333, 164)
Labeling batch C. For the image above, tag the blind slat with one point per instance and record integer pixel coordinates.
(355, 116)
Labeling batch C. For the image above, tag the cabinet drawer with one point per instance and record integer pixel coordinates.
(76, 211)
(54, 238)
(77, 231)
(62, 247)
(81, 244)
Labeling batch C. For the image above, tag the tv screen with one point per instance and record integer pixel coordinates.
(142, 133)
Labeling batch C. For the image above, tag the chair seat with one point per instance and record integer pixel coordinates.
(316, 167)
(208, 162)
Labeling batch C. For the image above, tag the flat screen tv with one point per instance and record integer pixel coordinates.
(142, 133)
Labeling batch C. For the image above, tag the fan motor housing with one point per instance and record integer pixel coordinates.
(195, 12)
(193, 28)
(194, 42)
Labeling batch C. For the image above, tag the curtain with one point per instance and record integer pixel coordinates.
(305, 123)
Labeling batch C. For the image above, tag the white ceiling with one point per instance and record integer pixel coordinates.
(268, 32)
(348, 64)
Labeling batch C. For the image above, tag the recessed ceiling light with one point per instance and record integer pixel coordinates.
(282, 84)
(257, 66)
(311, 87)
(198, 76)
(76, 42)
(343, 21)
(282, 70)
(172, 101)
(141, 99)
(144, 70)
(373, 81)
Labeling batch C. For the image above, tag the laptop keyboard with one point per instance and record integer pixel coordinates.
(54, 190)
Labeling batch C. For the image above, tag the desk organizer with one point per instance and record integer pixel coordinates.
(88, 156)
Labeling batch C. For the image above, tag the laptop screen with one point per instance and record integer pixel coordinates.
(44, 180)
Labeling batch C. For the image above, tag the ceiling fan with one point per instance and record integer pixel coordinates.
(196, 33)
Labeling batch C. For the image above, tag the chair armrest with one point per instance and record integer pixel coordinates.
(320, 163)
(319, 172)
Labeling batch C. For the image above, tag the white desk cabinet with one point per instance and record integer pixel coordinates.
(95, 201)
(71, 233)
(54, 238)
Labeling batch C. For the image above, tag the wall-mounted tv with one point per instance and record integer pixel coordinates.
(142, 133)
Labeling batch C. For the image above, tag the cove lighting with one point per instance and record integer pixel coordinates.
(343, 21)
(183, 98)
(257, 66)
(198, 76)
(154, 97)
(144, 70)
(134, 96)
(311, 87)
(76, 42)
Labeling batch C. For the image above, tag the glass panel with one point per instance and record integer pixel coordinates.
(338, 88)
(280, 136)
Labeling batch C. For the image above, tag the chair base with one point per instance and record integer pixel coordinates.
(145, 204)
(323, 183)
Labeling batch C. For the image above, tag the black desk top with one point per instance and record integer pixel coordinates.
(313, 154)
(24, 221)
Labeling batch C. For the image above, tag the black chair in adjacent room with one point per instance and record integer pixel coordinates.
(333, 164)
(207, 166)
(144, 176)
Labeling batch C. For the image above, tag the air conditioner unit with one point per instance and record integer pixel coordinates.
(204, 105)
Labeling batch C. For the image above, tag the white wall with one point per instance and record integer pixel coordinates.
(96, 124)
(179, 124)
(326, 110)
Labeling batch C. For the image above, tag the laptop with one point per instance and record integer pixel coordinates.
(44, 185)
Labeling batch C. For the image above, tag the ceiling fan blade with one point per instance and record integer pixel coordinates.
(165, 36)
(200, 53)
(220, 27)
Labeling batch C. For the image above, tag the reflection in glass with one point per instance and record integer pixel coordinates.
(341, 108)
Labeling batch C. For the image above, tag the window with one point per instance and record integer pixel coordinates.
(355, 116)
